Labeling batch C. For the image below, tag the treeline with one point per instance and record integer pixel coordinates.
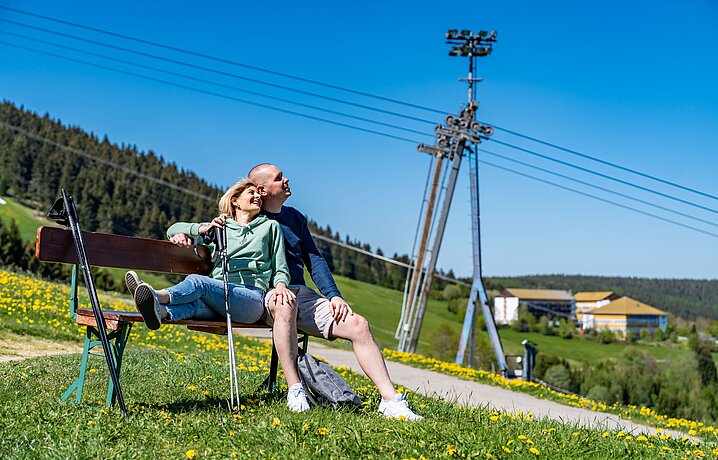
(686, 298)
(114, 201)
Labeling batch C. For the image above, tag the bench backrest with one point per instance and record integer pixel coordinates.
(106, 250)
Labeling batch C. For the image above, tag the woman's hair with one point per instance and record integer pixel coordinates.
(225, 203)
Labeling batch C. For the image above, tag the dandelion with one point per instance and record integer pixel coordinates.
(489, 456)
(535, 451)
(276, 422)
(606, 434)
(506, 449)
(190, 454)
(641, 438)
(322, 431)
(450, 450)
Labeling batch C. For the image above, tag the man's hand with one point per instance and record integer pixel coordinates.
(181, 239)
(281, 294)
(340, 309)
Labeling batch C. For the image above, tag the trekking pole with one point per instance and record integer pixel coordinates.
(221, 240)
(67, 215)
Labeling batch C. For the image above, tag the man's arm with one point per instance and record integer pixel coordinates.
(317, 266)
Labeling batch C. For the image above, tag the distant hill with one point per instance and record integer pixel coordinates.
(687, 298)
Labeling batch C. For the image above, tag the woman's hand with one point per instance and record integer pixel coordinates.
(282, 294)
(182, 240)
(217, 222)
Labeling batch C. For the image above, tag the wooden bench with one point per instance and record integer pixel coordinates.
(115, 251)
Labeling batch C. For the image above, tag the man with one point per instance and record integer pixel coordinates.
(329, 317)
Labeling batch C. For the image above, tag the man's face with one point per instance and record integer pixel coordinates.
(276, 183)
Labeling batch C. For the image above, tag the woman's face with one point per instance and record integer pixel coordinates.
(249, 200)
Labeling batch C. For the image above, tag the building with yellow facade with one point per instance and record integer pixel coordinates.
(587, 302)
(626, 315)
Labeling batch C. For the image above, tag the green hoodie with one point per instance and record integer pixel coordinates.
(255, 252)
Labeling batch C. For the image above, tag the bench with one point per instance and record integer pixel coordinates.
(130, 253)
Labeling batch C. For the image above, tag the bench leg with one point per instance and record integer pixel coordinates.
(120, 337)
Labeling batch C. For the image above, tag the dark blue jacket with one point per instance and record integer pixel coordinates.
(302, 251)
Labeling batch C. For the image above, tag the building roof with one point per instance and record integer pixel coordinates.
(594, 296)
(539, 294)
(628, 306)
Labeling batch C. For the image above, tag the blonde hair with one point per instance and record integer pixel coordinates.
(225, 203)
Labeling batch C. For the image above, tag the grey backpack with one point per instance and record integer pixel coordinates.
(324, 386)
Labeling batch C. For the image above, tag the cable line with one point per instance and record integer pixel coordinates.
(599, 198)
(315, 82)
(212, 93)
(604, 162)
(603, 189)
(227, 74)
(221, 85)
(103, 161)
(226, 61)
(605, 176)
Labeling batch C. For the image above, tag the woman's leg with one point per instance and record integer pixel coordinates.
(246, 302)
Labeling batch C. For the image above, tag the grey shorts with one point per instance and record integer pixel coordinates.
(314, 312)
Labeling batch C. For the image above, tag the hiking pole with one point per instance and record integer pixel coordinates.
(68, 217)
(220, 236)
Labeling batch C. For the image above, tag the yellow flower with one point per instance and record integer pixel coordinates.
(231, 433)
(276, 422)
(535, 451)
(190, 454)
(322, 431)
(506, 449)
(450, 450)
(629, 437)
(522, 437)
(692, 432)
(234, 454)
(489, 456)
(641, 438)
(606, 434)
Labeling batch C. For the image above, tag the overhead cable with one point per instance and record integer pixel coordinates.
(604, 162)
(221, 85)
(529, 176)
(219, 72)
(226, 61)
(211, 93)
(598, 187)
(605, 176)
(315, 82)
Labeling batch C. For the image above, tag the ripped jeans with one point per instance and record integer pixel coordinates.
(201, 297)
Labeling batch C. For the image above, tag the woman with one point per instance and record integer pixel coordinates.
(256, 263)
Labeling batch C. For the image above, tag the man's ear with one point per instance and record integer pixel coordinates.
(262, 190)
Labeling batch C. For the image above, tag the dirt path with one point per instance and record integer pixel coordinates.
(14, 347)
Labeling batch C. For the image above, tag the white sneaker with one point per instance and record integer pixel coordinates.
(297, 398)
(397, 408)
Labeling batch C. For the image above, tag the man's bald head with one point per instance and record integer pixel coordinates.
(260, 174)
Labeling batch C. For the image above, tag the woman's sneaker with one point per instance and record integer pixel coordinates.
(398, 408)
(297, 398)
(132, 281)
(148, 305)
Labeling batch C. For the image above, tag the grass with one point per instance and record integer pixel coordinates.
(27, 219)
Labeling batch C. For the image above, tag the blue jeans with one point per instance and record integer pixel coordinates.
(202, 297)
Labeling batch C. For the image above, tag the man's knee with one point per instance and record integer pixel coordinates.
(282, 311)
(358, 327)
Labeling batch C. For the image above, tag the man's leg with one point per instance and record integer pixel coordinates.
(356, 329)
(284, 334)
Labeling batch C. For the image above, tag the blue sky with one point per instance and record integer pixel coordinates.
(631, 82)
